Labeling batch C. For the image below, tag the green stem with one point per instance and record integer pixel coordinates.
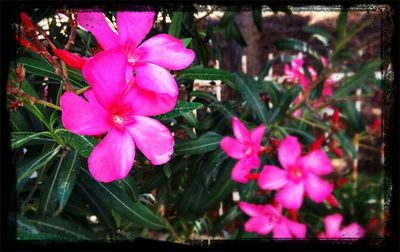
(82, 90)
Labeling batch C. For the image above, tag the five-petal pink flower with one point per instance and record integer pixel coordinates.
(110, 107)
(266, 218)
(155, 88)
(333, 231)
(245, 148)
(299, 176)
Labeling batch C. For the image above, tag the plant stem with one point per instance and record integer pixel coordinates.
(82, 90)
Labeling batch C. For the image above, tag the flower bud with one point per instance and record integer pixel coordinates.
(332, 201)
(20, 73)
(69, 58)
(335, 119)
(26, 21)
(252, 176)
(317, 143)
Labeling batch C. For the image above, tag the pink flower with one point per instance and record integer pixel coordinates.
(148, 60)
(112, 107)
(299, 176)
(333, 231)
(244, 148)
(265, 218)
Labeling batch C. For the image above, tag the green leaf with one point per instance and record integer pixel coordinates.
(247, 87)
(18, 121)
(364, 74)
(204, 74)
(62, 227)
(292, 44)
(83, 144)
(271, 89)
(279, 111)
(319, 33)
(130, 187)
(341, 24)
(181, 108)
(353, 117)
(265, 69)
(36, 164)
(41, 67)
(118, 200)
(203, 95)
(176, 23)
(205, 143)
(257, 17)
(222, 188)
(186, 41)
(19, 139)
(68, 176)
(346, 144)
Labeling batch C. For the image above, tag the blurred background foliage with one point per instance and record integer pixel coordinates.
(240, 54)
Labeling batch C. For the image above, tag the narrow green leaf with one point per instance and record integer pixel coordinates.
(19, 122)
(36, 164)
(265, 69)
(248, 89)
(176, 23)
(130, 187)
(341, 24)
(118, 200)
(67, 177)
(205, 143)
(257, 17)
(62, 227)
(270, 88)
(353, 117)
(319, 33)
(181, 108)
(19, 139)
(83, 144)
(292, 44)
(203, 95)
(186, 41)
(204, 74)
(279, 111)
(346, 144)
(364, 74)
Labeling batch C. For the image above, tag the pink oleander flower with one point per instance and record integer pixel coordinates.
(266, 218)
(332, 228)
(245, 148)
(294, 75)
(299, 176)
(112, 107)
(147, 61)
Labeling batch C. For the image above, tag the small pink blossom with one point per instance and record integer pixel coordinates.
(299, 176)
(245, 148)
(110, 107)
(266, 218)
(155, 88)
(333, 230)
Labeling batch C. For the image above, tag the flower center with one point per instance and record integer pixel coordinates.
(296, 172)
(118, 121)
(249, 150)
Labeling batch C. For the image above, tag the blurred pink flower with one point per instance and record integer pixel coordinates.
(111, 107)
(147, 61)
(245, 148)
(299, 176)
(333, 231)
(266, 218)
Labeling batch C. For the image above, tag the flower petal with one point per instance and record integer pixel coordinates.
(289, 151)
(257, 135)
(96, 23)
(281, 231)
(316, 162)
(272, 178)
(291, 195)
(240, 171)
(232, 147)
(332, 225)
(113, 157)
(165, 51)
(152, 138)
(133, 26)
(107, 80)
(154, 78)
(240, 131)
(261, 225)
(252, 209)
(297, 229)
(317, 189)
(352, 231)
(82, 117)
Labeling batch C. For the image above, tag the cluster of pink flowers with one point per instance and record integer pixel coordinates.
(130, 81)
(294, 74)
(300, 177)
